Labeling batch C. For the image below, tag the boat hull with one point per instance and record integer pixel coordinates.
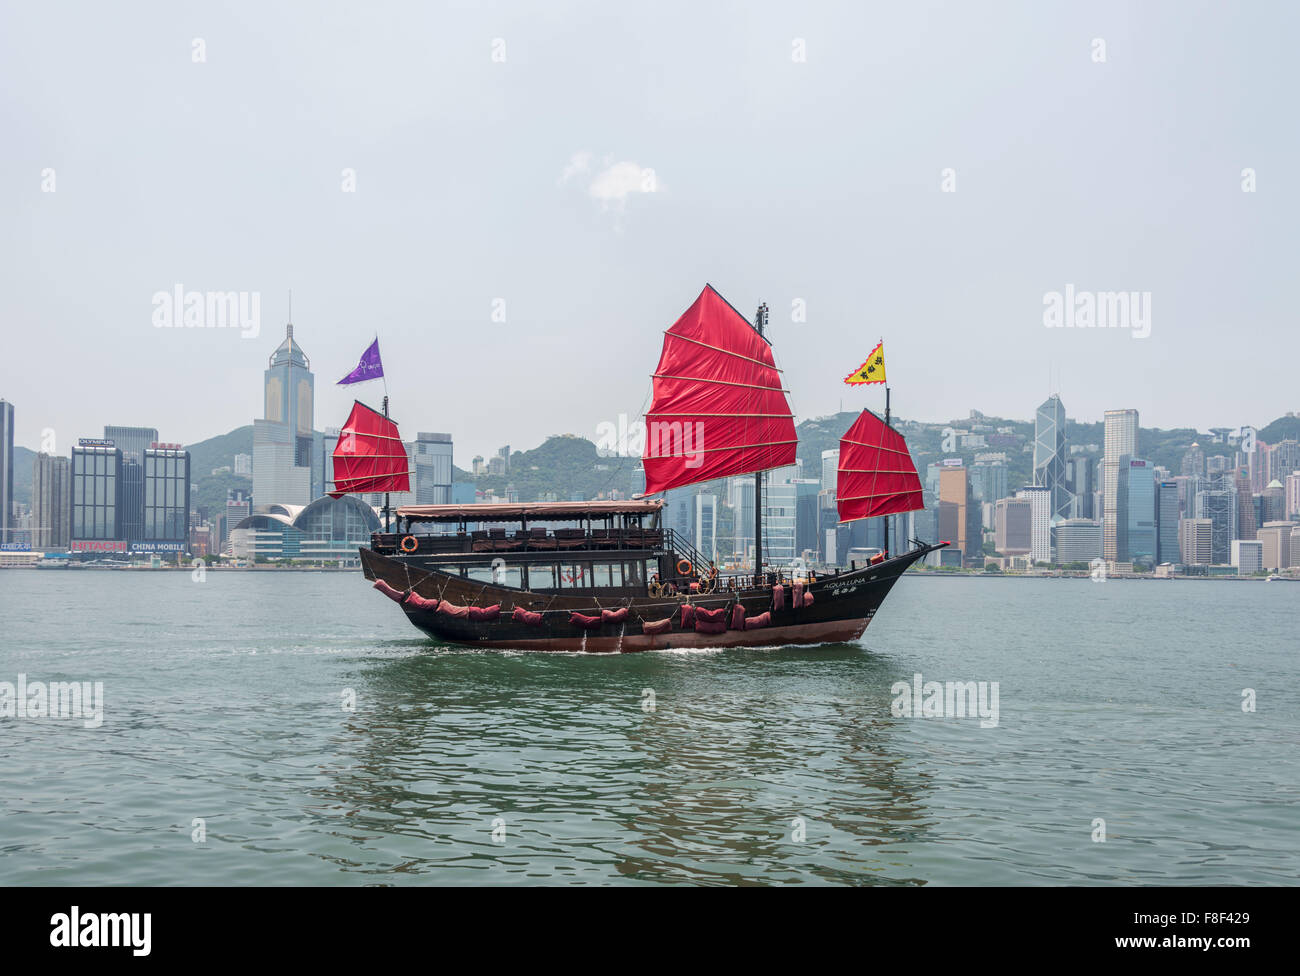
(842, 607)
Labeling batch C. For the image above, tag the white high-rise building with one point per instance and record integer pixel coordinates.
(1121, 439)
(283, 442)
(830, 469)
(1040, 521)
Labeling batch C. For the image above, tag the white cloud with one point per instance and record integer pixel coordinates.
(614, 182)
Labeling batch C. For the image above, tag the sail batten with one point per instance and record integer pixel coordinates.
(719, 409)
(364, 457)
(875, 474)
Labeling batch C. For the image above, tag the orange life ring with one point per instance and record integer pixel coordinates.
(415, 543)
(684, 567)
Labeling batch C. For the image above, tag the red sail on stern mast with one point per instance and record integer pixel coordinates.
(718, 407)
(369, 455)
(876, 475)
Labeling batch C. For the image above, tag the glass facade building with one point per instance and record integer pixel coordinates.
(1167, 515)
(97, 498)
(166, 498)
(1136, 514)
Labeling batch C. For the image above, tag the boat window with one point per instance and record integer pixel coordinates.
(574, 576)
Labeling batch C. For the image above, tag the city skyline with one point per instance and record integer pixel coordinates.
(779, 171)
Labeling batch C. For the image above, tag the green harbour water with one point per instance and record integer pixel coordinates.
(224, 700)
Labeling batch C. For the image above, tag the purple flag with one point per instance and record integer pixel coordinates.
(370, 367)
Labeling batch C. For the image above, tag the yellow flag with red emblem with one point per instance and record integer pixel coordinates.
(872, 371)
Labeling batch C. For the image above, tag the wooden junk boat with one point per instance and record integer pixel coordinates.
(606, 575)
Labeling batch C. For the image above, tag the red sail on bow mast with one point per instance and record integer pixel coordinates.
(876, 475)
(369, 455)
(718, 407)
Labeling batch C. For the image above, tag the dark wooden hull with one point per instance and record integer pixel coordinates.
(842, 607)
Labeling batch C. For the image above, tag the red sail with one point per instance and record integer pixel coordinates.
(876, 475)
(718, 408)
(369, 455)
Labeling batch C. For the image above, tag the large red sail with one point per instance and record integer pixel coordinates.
(718, 407)
(370, 455)
(876, 475)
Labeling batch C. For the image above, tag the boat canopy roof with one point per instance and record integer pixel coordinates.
(527, 511)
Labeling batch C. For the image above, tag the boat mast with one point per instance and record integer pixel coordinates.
(760, 323)
(886, 424)
(387, 524)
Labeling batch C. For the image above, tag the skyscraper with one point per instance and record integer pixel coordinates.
(6, 469)
(1049, 454)
(1121, 438)
(51, 502)
(1196, 535)
(1040, 502)
(97, 513)
(131, 441)
(1082, 482)
(1246, 524)
(1167, 514)
(282, 440)
(959, 520)
(1013, 526)
(1216, 503)
(1136, 512)
(433, 475)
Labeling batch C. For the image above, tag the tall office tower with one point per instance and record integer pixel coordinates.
(97, 515)
(1283, 459)
(1273, 503)
(1167, 516)
(959, 520)
(1246, 524)
(51, 502)
(329, 441)
(1013, 526)
(679, 512)
(1121, 438)
(6, 469)
(1258, 463)
(780, 514)
(282, 440)
(1276, 539)
(988, 480)
(1081, 483)
(1217, 503)
(706, 525)
(1136, 515)
(1040, 501)
(238, 507)
(1049, 454)
(1196, 539)
(433, 473)
(828, 518)
(806, 536)
(830, 465)
(1194, 462)
(166, 498)
(131, 441)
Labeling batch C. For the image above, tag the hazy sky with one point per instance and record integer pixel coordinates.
(501, 152)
